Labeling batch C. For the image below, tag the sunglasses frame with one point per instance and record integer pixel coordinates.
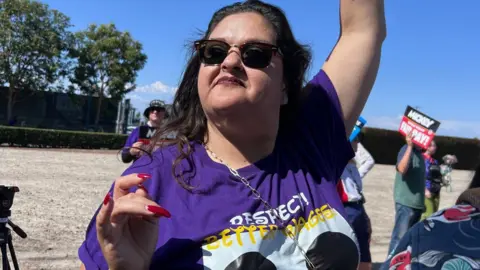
(274, 49)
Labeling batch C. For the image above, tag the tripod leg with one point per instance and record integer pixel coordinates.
(12, 252)
(5, 264)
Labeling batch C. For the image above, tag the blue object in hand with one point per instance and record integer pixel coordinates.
(358, 127)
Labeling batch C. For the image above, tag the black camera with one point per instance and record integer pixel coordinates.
(6, 199)
(434, 174)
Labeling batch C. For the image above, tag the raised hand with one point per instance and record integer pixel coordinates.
(127, 224)
(408, 139)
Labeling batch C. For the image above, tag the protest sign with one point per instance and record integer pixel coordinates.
(422, 126)
(358, 127)
(146, 133)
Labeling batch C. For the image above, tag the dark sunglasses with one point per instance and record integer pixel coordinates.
(253, 54)
(158, 109)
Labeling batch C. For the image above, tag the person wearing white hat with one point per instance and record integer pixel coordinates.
(155, 113)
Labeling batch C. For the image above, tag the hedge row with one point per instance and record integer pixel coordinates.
(382, 144)
(33, 137)
(385, 144)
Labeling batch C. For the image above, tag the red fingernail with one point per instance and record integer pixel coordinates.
(106, 199)
(158, 211)
(144, 176)
(142, 187)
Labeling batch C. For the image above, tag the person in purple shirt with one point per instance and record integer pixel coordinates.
(250, 180)
(136, 141)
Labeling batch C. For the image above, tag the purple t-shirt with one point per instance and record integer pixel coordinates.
(221, 225)
(133, 137)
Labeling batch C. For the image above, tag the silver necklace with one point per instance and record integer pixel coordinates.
(269, 207)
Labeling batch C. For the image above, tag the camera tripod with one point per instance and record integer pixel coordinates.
(6, 239)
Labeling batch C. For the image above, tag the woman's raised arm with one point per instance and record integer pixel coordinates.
(353, 64)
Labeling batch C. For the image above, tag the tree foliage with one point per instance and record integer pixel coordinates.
(33, 42)
(107, 63)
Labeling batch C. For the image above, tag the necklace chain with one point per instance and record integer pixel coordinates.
(269, 207)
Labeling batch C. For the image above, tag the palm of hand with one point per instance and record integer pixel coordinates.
(131, 244)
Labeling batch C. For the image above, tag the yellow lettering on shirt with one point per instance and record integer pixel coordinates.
(233, 236)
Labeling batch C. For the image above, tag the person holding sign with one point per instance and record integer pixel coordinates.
(141, 135)
(409, 190)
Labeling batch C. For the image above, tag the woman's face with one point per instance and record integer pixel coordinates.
(156, 115)
(247, 90)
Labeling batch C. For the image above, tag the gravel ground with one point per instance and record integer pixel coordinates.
(61, 189)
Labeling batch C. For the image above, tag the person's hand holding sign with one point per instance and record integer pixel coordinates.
(409, 139)
(127, 224)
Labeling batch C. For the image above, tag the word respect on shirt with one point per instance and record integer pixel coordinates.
(261, 225)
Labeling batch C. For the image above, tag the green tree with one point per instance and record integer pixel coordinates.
(33, 43)
(108, 62)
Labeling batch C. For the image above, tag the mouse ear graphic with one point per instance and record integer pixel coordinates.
(251, 260)
(343, 256)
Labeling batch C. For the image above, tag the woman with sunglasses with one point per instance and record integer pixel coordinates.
(250, 181)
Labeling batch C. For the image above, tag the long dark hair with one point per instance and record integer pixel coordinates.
(187, 118)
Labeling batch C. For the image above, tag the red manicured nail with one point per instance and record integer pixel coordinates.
(144, 176)
(158, 211)
(106, 199)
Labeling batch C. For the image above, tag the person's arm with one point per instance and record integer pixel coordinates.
(403, 158)
(365, 160)
(90, 253)
(404, 162)
(354, 62)
(132, 138)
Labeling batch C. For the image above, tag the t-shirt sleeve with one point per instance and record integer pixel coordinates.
(322, 115)
(132, 138)
(89, 252)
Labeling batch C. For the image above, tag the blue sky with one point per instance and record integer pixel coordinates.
(430, 58)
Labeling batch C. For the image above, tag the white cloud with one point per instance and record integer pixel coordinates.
(156, 87)
(138, 99)
(468, 129)
(143, 94)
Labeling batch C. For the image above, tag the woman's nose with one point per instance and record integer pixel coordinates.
(233, 61)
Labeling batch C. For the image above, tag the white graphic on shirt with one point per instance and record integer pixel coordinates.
(255, 232)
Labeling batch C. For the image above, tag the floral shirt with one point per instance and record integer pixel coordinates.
(449, 239)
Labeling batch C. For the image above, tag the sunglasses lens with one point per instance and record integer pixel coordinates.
(256, 56)
(253, 55)
(213, 53)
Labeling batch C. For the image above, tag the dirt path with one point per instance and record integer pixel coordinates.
(60, 190)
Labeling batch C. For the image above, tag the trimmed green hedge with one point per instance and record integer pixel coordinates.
(382, 144)
(385, 144)
(33, 137)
